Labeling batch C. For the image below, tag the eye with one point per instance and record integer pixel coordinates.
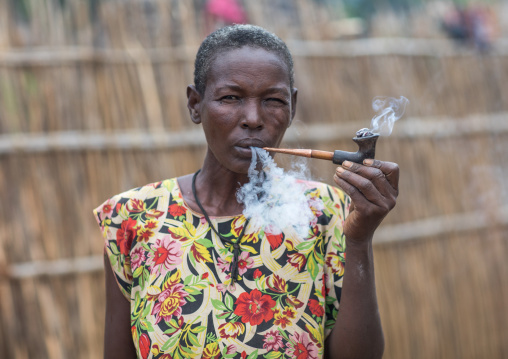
(229, 98)
(276, 101)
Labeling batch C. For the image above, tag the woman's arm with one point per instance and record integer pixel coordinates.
(373, 188)
(117, 335)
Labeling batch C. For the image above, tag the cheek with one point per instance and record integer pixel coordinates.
(281, 114)
(218, 123)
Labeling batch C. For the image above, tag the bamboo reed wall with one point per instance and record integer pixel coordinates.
(92, 102)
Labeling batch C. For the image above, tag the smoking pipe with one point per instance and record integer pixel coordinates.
(366, 149)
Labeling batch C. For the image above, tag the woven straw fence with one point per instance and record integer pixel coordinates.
(92, 103)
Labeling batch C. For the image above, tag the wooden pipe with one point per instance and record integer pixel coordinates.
(366, 149)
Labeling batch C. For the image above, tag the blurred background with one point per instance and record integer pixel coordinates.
(92, 103)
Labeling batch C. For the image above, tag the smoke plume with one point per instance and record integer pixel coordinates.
(274, 199)
(388, 110)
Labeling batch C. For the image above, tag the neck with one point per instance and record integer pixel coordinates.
(216, 188)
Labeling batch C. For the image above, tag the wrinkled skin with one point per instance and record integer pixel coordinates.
(248, 101)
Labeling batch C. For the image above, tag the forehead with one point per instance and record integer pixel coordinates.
(247, 63)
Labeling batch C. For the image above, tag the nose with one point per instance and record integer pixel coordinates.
(252, 117)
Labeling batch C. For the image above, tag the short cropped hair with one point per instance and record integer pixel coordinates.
(235, 37)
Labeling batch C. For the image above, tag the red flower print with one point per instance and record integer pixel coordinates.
(244, 263)
(244, 355)
(125, 235)
(154, 213)
(166, 252)
(176, 210)
(294, 301)
(274, 236)
(151, 224)
(205, 275)
(297, 260)
(316, 308)
(144, 234)
(299, 346)
(254, 307)
(144, 345)
(284, 319)
(277, 284)
(107, 209)
(289, 312)
(257, 273)
(136, 205)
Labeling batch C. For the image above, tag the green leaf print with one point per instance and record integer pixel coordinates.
(217, 304)
(329, 324)
(305, 246)
(192, 290)
(193, 339)
(198, 329)
(170, 342)
(205, 242)
(113, 247)
(228, 301)
(187, 350)
(253, 355)
(313, 267)
(340, 239)
(222, 316)
(146, 311)
(283, 333)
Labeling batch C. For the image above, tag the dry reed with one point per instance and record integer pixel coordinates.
(123, 66)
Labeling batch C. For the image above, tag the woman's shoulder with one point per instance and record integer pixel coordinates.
(136, 198)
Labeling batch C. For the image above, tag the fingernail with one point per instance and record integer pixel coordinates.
(347, 164)
(368, 162)
(340, 170)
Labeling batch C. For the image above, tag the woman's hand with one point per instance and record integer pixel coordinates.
(373, 188)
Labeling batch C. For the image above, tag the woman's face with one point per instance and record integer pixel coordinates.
(247, 102)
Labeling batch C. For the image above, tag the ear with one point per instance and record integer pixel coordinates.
(294, 96)
(193, 102)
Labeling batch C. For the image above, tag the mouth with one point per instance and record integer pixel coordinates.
(244, 146)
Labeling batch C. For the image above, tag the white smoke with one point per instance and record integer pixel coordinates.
(388, 110)
(274, 199)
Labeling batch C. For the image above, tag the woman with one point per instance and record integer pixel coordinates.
(187, 276)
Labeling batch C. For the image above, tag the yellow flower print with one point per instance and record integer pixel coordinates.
(212, 351)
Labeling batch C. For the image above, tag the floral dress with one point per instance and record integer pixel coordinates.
(175, 272)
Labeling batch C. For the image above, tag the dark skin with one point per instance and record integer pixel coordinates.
(248, 101)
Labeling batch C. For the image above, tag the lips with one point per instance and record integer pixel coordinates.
(250, 142)
(243, 147)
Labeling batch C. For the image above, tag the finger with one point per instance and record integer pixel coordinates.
(353, 193)
(390, 170)
(375, 177)
(358, 183)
